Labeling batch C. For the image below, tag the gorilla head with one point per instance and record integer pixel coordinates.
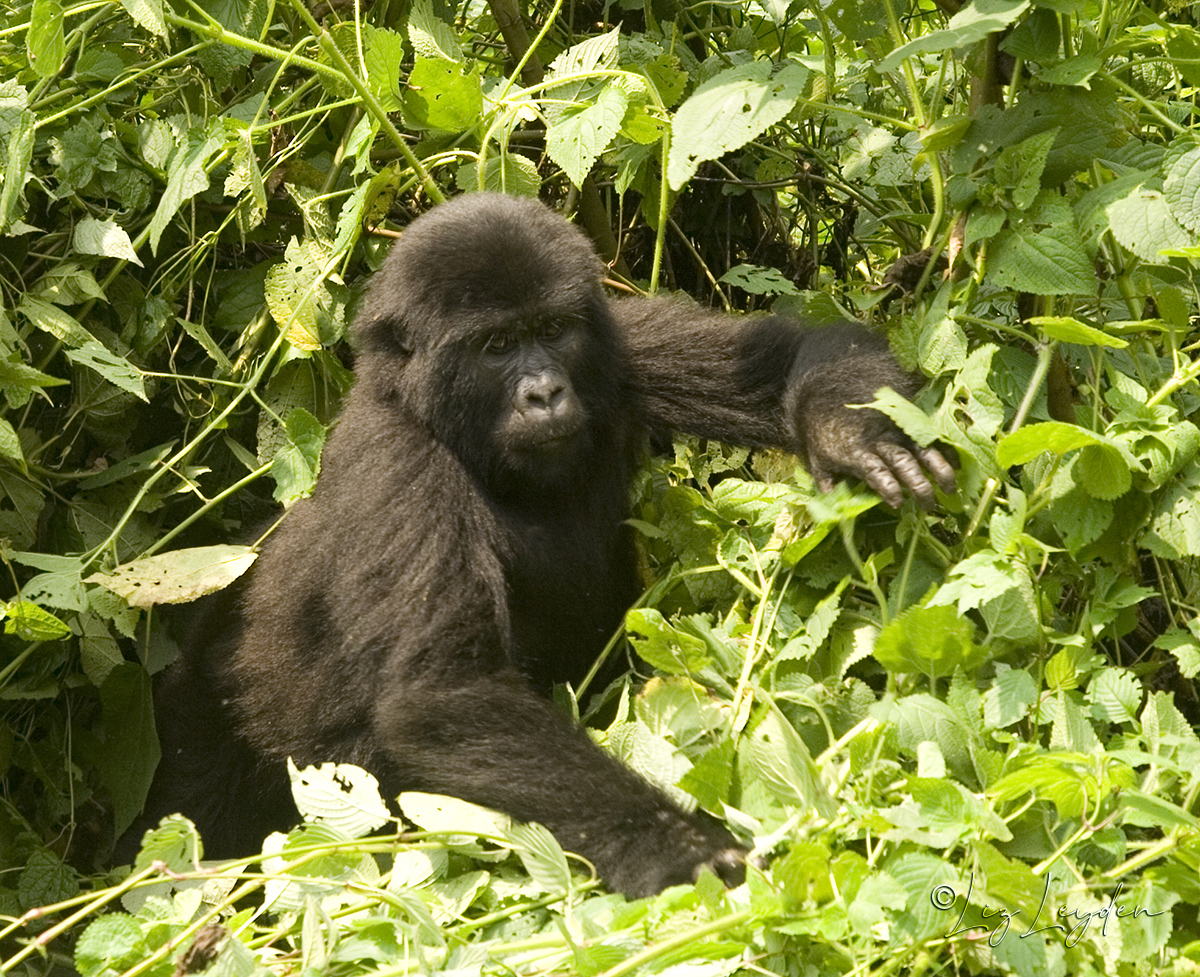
(491, 326)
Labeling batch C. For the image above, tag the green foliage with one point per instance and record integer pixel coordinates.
(961, 740)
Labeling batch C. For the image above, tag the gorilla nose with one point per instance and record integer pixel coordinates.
(541, 393)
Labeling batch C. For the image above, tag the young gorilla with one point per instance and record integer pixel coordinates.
(465, 549)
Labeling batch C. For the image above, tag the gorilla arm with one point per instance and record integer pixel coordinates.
(771, 382)
(493, 741)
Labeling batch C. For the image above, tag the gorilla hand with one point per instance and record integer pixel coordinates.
(839, 440)
(841, 365)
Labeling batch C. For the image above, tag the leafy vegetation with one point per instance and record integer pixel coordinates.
(961, 740)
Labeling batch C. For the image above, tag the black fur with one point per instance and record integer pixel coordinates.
(464, 548)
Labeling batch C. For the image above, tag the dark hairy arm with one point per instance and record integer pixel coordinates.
(772, 382)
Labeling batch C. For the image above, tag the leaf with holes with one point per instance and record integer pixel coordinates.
(178, 576)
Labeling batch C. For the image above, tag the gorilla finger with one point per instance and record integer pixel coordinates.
(939, 467)
(821, 475)
(877, 473)
(905, 467)
(728, 865)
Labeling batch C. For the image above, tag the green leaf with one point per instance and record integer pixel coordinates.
(1057, 437)
(727, 111)
(108, 945)
(298, 463)
(443, 95)
(1115, 695)
(1174, 530)
(51, 319)
(1105, 470)
(44, 40)
(115, 369)
(1042, 252)
(1142, 221)
(131, 751)
(1068, 330)
(541, 855)
(1181, 188)
(45, 880)
(383, 56)
(431, 37)
(1010, 698)
(31, 623)
(187, 174)
(662, 646)
(298, 297)
(148, 13)
(509, 173)
(931, 641)
(10, 444)
(780, 760)
(576, 139)
(104, 237)
(758, 280)
(178, 576)
(340, 795)
(451, 815)
(971, 24)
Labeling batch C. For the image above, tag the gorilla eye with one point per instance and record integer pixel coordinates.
(500, 342)
(551, 330)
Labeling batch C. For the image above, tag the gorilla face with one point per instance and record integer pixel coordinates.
(533, 366)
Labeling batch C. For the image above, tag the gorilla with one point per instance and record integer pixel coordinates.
(465, 547)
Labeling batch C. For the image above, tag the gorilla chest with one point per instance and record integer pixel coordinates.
(568, 589)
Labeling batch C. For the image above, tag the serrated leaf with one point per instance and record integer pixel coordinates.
(758, 280)
(931, 641)
(575, 140)
(178, 576)
(341, 795)
(1105, 471)
(778, 756)
(1142, 222)
(443, 94)
(541, 855)
(45, 879)
(431, 37)
(662, 646)
(1030, 441)
(509, 173)
(383, 56)
(115, 369)
(104, 237)
(1045, 260)
(727, 111)
(148, 13)
(298, 298)
(1181, 189)
(107, 944)
(32, 623)
(298, 463)
(1115, 695)
(1174, 530)
(1010, 698)
(51, 319)
(187, 174)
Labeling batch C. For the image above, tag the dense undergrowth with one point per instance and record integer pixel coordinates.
(961, 741)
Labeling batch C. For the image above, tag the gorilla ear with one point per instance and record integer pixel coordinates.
(385, 333)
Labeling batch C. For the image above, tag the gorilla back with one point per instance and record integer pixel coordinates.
(465, 548)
